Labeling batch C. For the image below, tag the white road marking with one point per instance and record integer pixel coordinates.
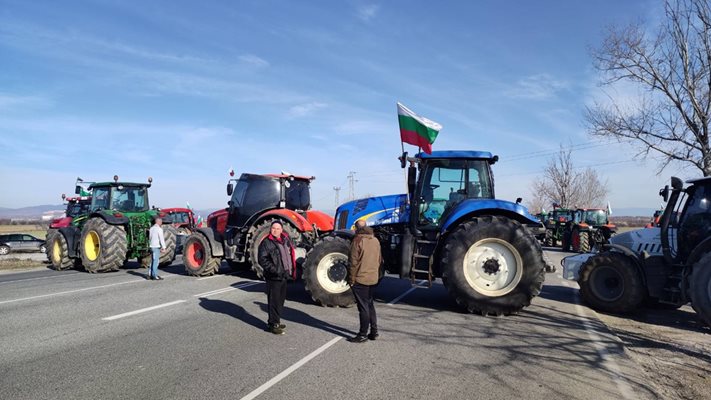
(256, 392)
(128, 314)
(398, 298)
(227, 289)
(70, 291)
(609, 363)
(208, 277)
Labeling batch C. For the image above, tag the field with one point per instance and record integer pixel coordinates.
(39, 231)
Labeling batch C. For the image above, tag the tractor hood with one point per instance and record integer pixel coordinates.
(383, 210)
(648, 240)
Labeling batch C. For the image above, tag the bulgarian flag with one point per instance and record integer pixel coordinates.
(417, 130)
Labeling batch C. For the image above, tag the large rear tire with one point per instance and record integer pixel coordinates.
(197, 256)
(584, 240)
(262, 231)
(492, 265)
(700, 288)
(168, 256)
(326, 270)
(59, 253)
(103, 247)
(610, 282)
(48, 240)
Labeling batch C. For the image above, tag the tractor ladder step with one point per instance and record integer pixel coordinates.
(415, 272)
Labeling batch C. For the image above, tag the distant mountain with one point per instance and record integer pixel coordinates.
(29, 212)
(632, 212)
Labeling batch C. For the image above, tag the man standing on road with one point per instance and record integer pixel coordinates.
(157, 244)
(278, 261)
(365, 259)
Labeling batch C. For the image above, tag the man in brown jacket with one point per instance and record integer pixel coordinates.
(365, 260)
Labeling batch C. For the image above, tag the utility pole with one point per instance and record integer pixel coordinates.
(351, 185)
(337, 189)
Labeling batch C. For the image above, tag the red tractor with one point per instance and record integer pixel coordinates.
(234, 233)
(589, 229)
(182, 219)
(77, 209)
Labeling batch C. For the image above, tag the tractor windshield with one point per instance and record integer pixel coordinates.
(448, 182)
(129, 198)
(595, 217)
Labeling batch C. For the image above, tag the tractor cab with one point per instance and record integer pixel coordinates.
(591, 216)
(446, 179)
(253, 194)
(120, 196)
(686, 221)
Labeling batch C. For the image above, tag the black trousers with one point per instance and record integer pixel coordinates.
(276, 294)
(366, 309)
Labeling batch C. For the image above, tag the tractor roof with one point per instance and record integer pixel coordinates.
(284, 176)
(78, 198)
(469, 154)
(175, 209)
(699, 180)
(114, 184)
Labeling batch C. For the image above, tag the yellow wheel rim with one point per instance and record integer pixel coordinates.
(56, 251)
(92, 246)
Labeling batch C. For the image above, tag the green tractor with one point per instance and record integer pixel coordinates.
(555, 226)
(114, 231)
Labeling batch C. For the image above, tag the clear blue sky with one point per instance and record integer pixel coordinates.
(184, 90)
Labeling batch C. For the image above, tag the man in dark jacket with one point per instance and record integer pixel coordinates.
(364, 273)
(277, 259)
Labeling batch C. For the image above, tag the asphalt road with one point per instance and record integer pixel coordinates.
(74, 335)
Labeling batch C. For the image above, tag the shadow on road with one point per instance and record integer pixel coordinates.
(300, 317)
(232, 310)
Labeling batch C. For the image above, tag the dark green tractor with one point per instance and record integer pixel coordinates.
(114, 231)
(555, 226)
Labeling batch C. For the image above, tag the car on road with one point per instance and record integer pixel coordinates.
(16, 242)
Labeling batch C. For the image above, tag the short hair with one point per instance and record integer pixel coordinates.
(156, 219)
(276, 223)
(360, 223)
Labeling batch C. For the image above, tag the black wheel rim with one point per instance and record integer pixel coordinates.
(607, 283)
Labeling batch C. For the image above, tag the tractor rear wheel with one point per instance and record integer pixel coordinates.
(168, 256)
(262, 231)
(197, 256)
(700, 288)
(326, 270)
(59, 253)
(584, 241)
(491, 265)
(103, 246)
(610, 282)
(48, 240)
(548, 238)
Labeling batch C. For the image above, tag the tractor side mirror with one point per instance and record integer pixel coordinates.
(664, 193)
(403, 159)
(77, 189)
(230, 189)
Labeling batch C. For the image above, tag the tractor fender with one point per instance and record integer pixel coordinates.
(214, 238)
(61, 222)
(699, 251)
(72, 235)
(291, 216)
(323, 221)
(474, 207)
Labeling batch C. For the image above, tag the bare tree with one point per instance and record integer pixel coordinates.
(673, 65)
(562, 184)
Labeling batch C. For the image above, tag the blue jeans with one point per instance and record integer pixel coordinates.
(155, 261)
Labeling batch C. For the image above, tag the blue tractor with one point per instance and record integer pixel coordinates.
(449, 226)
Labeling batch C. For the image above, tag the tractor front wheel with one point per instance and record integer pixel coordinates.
(326, 270)
(168, 256)
(197, 256)
(610, 282)
(48, 240)
(700, 288)
(548, 238)
(59, 253)
(584, 242)
(492, 266)
(103, 246)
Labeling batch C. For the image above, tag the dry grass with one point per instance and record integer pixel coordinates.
(19, 263)
(38, 231)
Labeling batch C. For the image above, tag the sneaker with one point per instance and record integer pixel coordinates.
(373, 335)
(159, 278)
(276, 330)
(358, 339)
(282, 326)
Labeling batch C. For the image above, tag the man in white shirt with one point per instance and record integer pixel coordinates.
(157, 244)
